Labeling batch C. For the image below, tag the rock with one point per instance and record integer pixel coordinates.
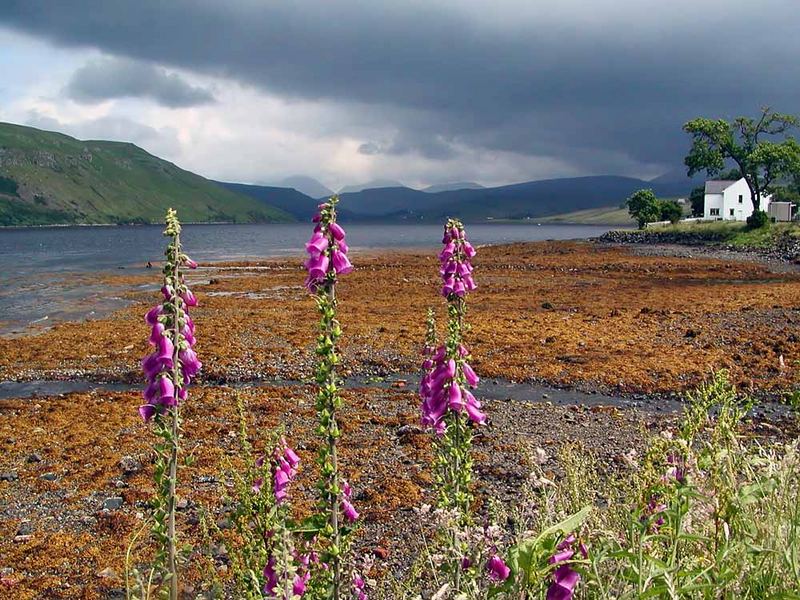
(113, 503)
(381, 552)
(224, 523)
(130, 465)
(34, 458)
(182, 504)
(48, 477)
(20, 539)
(25, 528)
(107, 573)
(9, 476)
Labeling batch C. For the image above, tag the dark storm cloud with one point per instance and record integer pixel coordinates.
(110, 78)
(596, 85)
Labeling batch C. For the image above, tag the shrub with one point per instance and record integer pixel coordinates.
(758, 219)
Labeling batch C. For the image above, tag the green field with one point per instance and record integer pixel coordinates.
(609, 215)
(48, 178)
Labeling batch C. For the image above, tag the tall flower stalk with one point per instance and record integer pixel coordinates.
(448, 405)
(169, 369)
(327, 260)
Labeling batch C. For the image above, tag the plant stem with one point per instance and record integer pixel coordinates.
(332, 430)
(173, 459)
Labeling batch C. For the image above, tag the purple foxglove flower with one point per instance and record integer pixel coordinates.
(190, 263)
(498, 570)
(151, 318)
(459, 289)
(337, 231)
(318, 267)
(182, 393)
(565, 580)
(346, 489)
(475, 415)
(257, 485)
(166, 391)
(464, 269)
(455, 400)
(147, 411)
(447, 251)
(466, 563)
(156, 334)
(469, 283)
(189, 361)
(317, 244)
(341, 263)
(165, 349)
(299, 584)
(469, 250)
(561, 556)
(427, 364)
(291, 457)
(189, 298)
(167, 292)
(153, 364)
(470, 399)
(469, 375)
(151, 392)
(270, 577)
(343, 247)
(349, 511)
(566, 542)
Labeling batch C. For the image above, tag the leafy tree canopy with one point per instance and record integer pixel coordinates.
(764, 163)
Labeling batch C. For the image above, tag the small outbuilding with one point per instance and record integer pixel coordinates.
(781, 211)
(727, 200)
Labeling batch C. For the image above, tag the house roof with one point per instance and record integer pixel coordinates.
(717, 186)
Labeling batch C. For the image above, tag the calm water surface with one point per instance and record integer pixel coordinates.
(46, 272)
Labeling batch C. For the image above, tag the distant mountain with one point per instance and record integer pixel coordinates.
(297, 204)
(456, 185)
(678, 176)
(518, 201)
(307, 185)
(386, 202)
(375, 183)
(48, 178)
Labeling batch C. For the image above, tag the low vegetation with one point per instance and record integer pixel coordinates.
(704, 512)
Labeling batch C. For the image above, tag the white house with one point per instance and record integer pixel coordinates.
(730, 201)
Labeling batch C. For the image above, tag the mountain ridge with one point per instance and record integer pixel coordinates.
(52, 178)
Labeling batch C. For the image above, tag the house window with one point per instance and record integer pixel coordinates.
(731, 212)
(714, 212)
(740, 198)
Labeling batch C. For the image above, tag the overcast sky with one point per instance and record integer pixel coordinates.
(422, 91)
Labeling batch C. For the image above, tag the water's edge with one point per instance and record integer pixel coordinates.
(491, 389)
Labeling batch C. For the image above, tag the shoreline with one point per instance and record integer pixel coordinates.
(631, 308)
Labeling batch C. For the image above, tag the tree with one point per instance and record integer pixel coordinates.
(698, 201)
(644, 207)
(761, 162)
(670, 211)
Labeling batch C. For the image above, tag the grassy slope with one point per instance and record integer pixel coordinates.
(64, 180)
(593, 216)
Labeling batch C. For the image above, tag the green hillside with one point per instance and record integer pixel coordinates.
(49, 178)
